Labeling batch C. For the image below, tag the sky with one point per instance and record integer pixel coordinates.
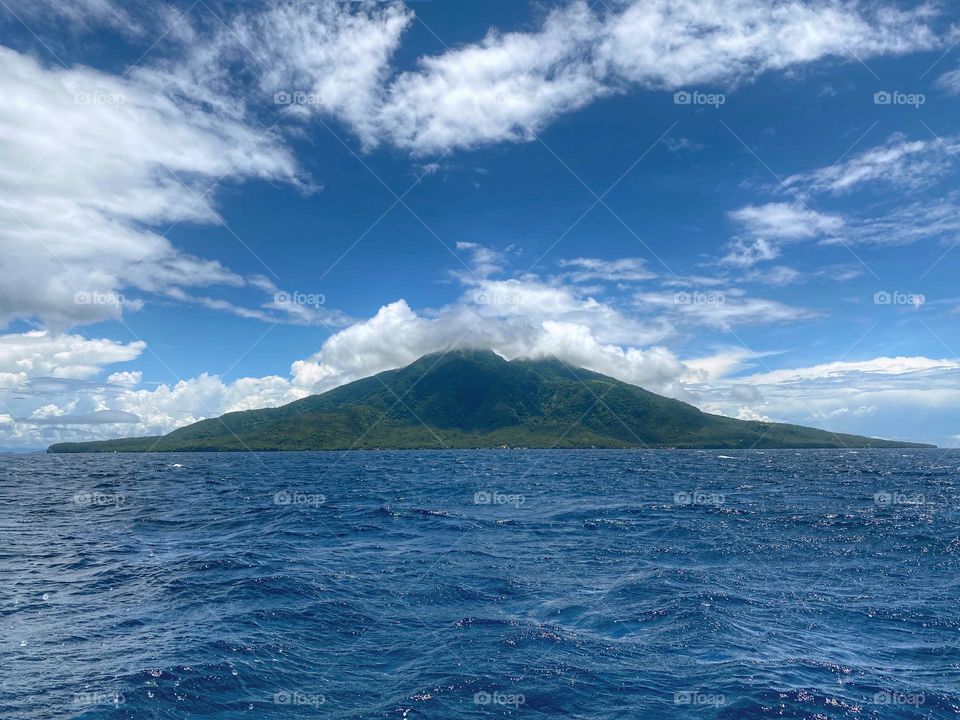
(749, 205)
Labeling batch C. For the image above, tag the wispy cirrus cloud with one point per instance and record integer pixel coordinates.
(899, 162)
(620, 270)
(720, 309)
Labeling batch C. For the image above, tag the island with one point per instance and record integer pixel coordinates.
(470, 399)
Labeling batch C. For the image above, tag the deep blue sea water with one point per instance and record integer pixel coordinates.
(526, 584)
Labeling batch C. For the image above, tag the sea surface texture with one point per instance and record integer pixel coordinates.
(567, 584)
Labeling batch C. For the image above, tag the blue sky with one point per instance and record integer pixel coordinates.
(750, 206)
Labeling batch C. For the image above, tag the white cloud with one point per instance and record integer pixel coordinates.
(785, 221)
(397, 335)
(677, 145)
(620, 270)
(722, 363)
(937, 217)
(337, 53)
(484, 261)
(779, 275)
(877, 366)
(34, 354)
(764, 229)
(505, 87)
(90, 163)
(718, 309)
(77, 14)
(128, 378)
(899, 162)
(508, 86)
(910, 398)
(670, 43)
(949, 82)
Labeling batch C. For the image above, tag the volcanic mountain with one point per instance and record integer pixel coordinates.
(476, 399)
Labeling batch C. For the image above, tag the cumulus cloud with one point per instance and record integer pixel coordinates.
(92, 165)
(910, 398)
(35, 354)
(765, 229)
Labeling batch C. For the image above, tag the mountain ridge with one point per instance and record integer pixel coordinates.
(476, 399)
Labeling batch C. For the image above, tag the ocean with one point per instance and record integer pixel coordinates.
(460, 584)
